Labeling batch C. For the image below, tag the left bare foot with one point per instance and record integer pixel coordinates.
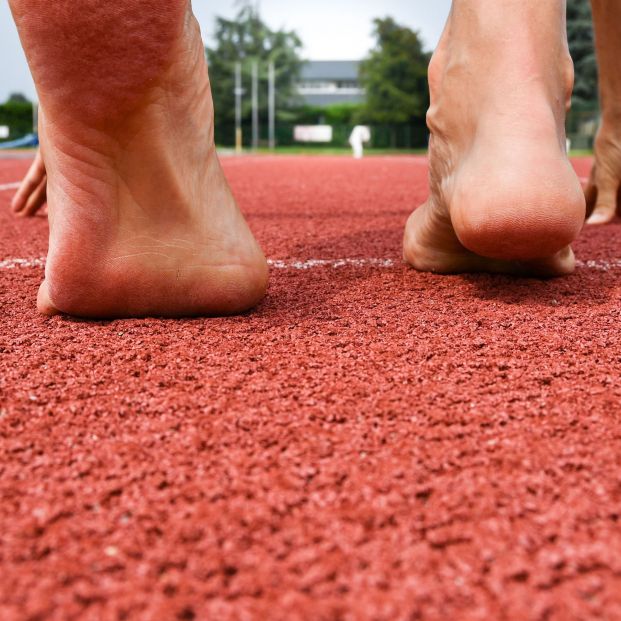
(142, 220)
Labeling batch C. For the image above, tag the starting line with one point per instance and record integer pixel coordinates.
(13, 264)
(309, 264)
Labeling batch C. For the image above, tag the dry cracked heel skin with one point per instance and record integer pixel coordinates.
(142, 220)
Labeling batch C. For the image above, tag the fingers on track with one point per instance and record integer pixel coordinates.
(603, 197)
(37, 199)
(31, 195)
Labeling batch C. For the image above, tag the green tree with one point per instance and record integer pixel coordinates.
(395, 76)
(246, 39)
(582, 48)
(18, 98)
(17, 116)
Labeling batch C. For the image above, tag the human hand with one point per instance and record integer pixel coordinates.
(603, 191)
(32, 193)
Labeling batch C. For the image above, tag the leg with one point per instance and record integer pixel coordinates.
(603, 191)
(32, 192)
(142, 221)
(504, 197)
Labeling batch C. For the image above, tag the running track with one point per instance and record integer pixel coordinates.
(370, 444)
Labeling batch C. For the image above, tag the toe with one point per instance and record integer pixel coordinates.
(44, 302)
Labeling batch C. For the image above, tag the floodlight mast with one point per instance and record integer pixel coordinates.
(272, 105)
(238, 108)
(35, 118)
(255, 105)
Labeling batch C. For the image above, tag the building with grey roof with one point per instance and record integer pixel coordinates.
(327, 82)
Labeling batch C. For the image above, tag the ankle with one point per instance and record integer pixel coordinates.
(489, 21)
(516, 40)
(119, 50)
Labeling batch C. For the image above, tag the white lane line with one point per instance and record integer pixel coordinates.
(599, 266)
(309, 264)
(12, 264)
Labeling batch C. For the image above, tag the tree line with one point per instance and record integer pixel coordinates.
(394, 74)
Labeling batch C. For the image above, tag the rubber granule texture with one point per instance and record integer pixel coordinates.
(371, 443)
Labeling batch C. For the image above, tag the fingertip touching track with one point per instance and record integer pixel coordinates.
(371, 443)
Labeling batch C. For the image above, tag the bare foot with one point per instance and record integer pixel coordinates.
(504, 197)
(603, 192)
(142, 220)
(32, 193)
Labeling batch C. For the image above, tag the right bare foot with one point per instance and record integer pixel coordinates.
(504, 197)
(142, 220)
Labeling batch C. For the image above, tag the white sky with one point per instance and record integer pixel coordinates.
(330, 29)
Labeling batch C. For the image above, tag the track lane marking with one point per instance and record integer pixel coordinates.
(278, 264)
(12, 264)
(309, 264)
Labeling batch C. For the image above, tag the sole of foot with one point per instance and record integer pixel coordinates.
(519, 217)
(503, 194)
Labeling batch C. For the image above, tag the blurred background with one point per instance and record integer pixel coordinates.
(276, 66)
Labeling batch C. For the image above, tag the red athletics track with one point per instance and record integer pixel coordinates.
(370, 444)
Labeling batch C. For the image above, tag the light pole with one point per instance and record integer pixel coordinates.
(35, 118)
(255, 105)
(272, 105)
(238, 108)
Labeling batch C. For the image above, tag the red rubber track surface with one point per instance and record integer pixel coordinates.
(370, 443)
